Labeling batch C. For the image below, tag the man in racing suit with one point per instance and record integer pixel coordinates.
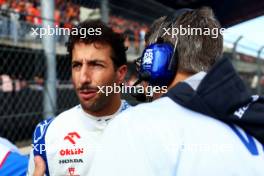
(67, 143)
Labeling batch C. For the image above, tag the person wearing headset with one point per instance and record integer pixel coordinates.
(204, 124)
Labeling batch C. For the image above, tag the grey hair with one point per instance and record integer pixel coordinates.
(195, 52)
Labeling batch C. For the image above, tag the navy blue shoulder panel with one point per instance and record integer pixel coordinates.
(39, 145)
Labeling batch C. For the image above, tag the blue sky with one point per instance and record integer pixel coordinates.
(253, 36)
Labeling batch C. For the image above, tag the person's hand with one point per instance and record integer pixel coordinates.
(40, 166)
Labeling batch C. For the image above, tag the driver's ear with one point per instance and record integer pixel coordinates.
(121, 74)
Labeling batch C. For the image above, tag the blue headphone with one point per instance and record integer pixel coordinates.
(158, 63)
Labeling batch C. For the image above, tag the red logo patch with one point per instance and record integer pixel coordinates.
(70, 137)
(71, 171)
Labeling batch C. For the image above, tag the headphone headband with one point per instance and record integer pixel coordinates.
(158, 63)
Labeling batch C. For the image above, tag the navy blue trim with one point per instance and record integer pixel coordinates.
(248, 142)
(39, 141)
(125, 106)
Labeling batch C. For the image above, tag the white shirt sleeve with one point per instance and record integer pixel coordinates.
(31, 165)
(9, 145)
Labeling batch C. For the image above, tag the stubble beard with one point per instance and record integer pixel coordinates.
(99, 104)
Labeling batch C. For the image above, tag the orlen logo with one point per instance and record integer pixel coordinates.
(65, 152)
(70, 137)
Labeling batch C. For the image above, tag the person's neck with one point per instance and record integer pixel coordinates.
(180, 76)
(109, 109)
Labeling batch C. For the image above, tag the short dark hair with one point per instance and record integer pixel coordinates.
(195, 52)
(107, 36)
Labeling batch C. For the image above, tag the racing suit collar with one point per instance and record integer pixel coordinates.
(103, 118)
(195, 80)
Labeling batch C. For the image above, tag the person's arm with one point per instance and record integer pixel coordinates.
(36, 166)
(40, 167)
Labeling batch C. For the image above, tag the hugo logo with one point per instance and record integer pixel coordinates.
(70, 137)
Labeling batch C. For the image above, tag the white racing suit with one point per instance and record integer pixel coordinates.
(68, 142)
